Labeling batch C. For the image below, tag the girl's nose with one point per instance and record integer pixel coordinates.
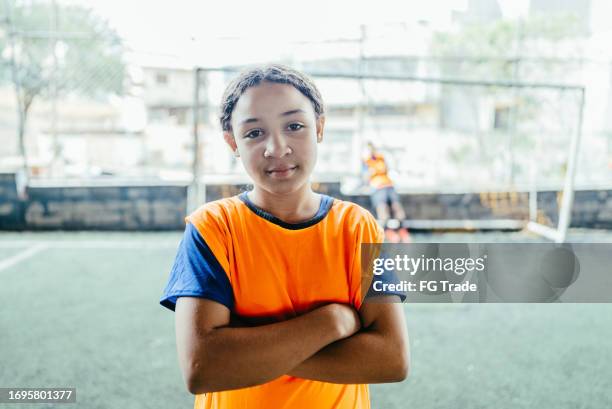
(276, 146)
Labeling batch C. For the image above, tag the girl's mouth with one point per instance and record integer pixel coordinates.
(281, 171)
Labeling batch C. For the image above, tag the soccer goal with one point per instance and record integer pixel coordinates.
(507, 147)
(493, 154)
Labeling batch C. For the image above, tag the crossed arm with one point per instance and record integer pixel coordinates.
(332, 343)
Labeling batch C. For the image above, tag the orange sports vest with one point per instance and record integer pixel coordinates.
(378, 171)
(280, 270)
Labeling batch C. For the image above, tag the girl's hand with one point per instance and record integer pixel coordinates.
(345, 318)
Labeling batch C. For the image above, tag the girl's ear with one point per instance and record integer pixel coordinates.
(320, 126)
(229, 139)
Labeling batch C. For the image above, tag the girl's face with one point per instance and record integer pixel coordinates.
(275, 132)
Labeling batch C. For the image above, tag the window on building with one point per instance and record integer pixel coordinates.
(502, 118)
(161, 78)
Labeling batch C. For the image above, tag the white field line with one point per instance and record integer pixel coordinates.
(90, 244)
(19, 257)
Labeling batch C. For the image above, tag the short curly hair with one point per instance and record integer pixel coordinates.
(275, 73)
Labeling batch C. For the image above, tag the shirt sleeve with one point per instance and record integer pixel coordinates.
(373, 233)
(196, 273)
(387, 277)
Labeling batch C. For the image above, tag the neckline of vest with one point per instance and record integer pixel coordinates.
(324, 208)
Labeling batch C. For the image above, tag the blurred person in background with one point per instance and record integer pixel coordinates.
(385, 199)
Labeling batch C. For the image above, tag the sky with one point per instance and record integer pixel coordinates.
(238, 30)
(191, 32)
(271, 18)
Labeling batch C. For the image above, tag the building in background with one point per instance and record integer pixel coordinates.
(436, 136)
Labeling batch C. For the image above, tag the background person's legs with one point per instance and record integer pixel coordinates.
(398, 211)
(399, 214)
(382, 213)
(393, 199)
(380, 202)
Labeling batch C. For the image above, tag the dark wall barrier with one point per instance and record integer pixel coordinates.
(135, 208)
(11, 208)
(150, 207)
(215, 192)
(592, 208)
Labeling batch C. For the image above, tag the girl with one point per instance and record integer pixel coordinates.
(267, 285)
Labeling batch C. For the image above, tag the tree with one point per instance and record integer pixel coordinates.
(540, 48)
(57, 50)
(493, 50)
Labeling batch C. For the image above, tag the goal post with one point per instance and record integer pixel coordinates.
(357, 93)
(559, 234)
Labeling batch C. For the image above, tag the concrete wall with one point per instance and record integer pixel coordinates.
(132, 208)
(142, 208)
(11, 209)
(592, 208)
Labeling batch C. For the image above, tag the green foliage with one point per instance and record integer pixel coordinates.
(488, 51)
(89, 53)
(541, 48)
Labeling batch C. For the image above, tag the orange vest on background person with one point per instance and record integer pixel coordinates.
(377, 169)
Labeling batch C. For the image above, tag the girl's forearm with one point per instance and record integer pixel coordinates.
(366, 357)
(232, 358)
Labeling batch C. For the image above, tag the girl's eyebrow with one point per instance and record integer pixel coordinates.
(293, 111)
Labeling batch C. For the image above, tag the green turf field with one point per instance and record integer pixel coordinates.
(81, 310)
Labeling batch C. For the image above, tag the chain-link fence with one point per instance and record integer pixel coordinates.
(62, 82)
(444, 122)
(435, 133)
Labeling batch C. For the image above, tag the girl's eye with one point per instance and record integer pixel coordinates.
(296, 127)
(253, 134)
